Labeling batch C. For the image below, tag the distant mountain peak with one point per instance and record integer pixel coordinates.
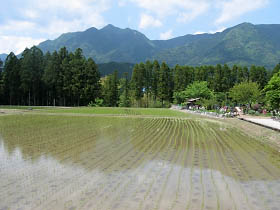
(110, 27)
(243, 44)
(91, 29)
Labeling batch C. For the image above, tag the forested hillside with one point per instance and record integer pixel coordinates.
(244, 44)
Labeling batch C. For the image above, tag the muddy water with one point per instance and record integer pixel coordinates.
(136, 164)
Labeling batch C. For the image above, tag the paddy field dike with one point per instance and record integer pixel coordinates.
(117, 158)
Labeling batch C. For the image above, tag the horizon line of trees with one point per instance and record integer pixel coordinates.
(69, 79)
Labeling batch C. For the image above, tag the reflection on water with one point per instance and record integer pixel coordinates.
(115, 163)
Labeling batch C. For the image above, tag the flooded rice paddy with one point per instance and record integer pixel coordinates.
(54, 162)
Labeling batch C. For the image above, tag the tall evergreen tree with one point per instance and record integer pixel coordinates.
(32, 67)
(155, 79)
(92, 81)
(110, 89)
(227, 82)
(218, 78)
(164, 84)
(240, 75)
(138, 82)
(1, 83)
(11, 79)
(124, 95)
(51, 78)
(258, 75)
(77, 66)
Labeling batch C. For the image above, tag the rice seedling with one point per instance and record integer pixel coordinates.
(83, 158)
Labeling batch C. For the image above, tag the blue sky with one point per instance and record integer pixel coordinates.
(29, 22)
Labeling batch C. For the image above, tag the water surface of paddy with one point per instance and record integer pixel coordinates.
(52, 162)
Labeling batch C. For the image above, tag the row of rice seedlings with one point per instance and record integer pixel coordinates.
(14, 141)
(236, 161)
(261, 147)
(209, 165)
(224, 159)
(184, 138)
(178, 156)
(155, 154)
(40, 183)
(263, 164)
(214, 147)
(246, 149)
(33, 142)
(75, 186)
(162, 145)
(73, 145)
(103, 183)
(169, 153)
(36, 173)
(137, 160)
(202, 155)
(20, 171)
(194, 153)
(131, 178)
(145, 144)
(256, 147)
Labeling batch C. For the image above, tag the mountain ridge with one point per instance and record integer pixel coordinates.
(243, 44)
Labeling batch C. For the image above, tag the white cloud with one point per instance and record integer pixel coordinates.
(235, 8)
(184, 10)
(199, 32)
(195, 12)
(218, 30)
(166, 35)
(49, 19)
(17, 25)
(18, 43)
(149, 21)
(210, 32)
(121, 3)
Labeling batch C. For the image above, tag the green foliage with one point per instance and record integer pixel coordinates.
(164, 86)
(179, 97)
(99, 102)
(272, 90)
(11, 79)
(32, 68)
(198, 90)
(111, 90)
(195, 90)
(138, 81)
(125, 92)
(245, 93)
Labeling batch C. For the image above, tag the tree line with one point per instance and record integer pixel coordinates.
(69, 79)
(60, 78)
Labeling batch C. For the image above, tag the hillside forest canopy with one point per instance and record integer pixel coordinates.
(64, 78)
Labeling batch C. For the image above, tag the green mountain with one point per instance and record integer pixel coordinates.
(244, 44)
